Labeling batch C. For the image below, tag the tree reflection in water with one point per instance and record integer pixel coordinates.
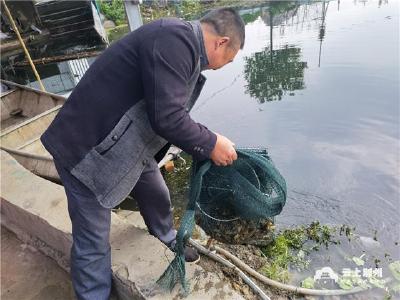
(272, 73)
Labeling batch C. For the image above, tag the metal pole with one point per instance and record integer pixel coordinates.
(133, 14)
(23, 46)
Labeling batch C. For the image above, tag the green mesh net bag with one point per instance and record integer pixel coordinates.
(251, 191)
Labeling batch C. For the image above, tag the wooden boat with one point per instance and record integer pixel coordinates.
(25, 115)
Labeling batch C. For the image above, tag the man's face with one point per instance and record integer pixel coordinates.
(222, 54)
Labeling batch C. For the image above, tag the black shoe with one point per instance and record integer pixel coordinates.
(191, 254)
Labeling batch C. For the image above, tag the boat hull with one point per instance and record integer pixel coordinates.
(26, 114)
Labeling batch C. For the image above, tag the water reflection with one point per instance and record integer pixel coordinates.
(322, 29)
(271, 73)
(279, 12)
(250, 15)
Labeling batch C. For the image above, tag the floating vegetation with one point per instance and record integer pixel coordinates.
(289, 248)
(394, 267)
(347, 231)
(359, 260)
(308, 283)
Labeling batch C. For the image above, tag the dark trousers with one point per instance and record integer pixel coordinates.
(91, 252)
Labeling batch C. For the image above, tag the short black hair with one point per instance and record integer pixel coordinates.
(226, 22)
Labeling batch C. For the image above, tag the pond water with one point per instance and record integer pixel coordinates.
(318, 85)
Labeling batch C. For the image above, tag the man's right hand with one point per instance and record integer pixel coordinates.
(224, 152)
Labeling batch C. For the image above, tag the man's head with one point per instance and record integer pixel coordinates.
(223, 31)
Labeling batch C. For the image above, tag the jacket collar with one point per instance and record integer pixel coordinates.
(199, 34)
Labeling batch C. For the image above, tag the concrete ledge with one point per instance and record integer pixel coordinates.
(36, 210)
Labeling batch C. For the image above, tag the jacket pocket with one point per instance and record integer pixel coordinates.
(113, 137)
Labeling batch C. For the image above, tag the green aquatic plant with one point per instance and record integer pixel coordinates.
(347, 231)
(345, 283)
(291, 247)
(321, 234)
(358, 260)
(279, 256)
(350, 282)
(394, 267)
(314, 234)
(378, 282)
(393, 288)
(308, 283)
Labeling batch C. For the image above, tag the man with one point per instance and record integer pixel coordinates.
(132, 102)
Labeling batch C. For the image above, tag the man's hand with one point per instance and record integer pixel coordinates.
(223, 153)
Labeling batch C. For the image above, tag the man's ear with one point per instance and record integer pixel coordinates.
(223, 41)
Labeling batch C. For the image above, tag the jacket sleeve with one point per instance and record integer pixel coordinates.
(167, 63)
